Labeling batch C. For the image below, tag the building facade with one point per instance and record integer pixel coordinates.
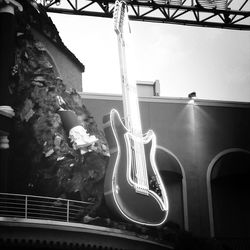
(203, 155)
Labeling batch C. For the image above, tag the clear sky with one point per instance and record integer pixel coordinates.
(213, 62)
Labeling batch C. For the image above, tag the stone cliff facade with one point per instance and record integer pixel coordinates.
(42, 158)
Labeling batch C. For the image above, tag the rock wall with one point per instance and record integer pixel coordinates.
(42, 159)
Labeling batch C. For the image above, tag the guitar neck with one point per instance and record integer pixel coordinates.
(129, 90)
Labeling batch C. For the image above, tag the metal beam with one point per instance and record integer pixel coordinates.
(227, 14)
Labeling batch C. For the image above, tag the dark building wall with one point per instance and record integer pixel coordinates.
(195, 134)
(218, 129)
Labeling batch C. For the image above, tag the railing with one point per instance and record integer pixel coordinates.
(39, 207)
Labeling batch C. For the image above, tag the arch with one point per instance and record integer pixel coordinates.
(179, 173)
(53, 63)
(209, 186)
(47, 48)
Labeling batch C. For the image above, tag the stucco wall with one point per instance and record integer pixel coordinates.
(195, 134)
(67, 69)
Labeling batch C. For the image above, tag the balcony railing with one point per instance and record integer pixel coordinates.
(39, 207)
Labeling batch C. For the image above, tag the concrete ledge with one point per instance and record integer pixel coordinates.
(45, 233)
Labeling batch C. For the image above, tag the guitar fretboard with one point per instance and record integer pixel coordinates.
(130, 99)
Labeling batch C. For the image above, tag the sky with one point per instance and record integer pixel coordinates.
(215, 63)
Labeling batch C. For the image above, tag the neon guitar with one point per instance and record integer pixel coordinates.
(133, 187)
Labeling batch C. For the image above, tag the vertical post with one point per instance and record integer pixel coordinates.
(67, 210)
(7, 49)
(7, 55)
(157, 88)
(26, 207)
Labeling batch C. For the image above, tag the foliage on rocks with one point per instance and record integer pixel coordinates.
(43, 159)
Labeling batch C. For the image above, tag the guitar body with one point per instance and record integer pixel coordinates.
(119, 189)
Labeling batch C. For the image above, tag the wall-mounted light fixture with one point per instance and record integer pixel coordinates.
(192, 95)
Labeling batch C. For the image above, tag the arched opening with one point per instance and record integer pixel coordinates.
(53, 63)
(175, 181)
(229, 187)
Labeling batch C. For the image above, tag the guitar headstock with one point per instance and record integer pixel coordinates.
(119, 15)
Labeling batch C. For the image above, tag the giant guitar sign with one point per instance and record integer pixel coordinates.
(133, 186)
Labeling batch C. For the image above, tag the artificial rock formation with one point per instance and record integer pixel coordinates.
(43, 160)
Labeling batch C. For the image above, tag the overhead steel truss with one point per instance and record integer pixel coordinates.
(228, 14)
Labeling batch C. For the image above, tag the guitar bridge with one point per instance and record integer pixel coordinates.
(141, 190)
